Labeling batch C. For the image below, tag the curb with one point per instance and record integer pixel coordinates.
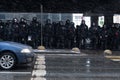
(55, 51)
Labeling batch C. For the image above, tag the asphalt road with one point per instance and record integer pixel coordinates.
(66, 67)
(20, 72)
(75, 67)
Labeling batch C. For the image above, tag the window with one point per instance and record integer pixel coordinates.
(77, 18)
(116, 18)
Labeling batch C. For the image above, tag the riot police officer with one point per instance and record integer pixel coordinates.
(94, 34)
(117, 36)
(2, 30)
(34, 32)
(104, 37)
(67, 26)
(114, 36)
(61, 34)
(23, 30)
(15, 30)
(55, 36)
(8, 31)
(71, 35)
(81, 34)
(48, 34)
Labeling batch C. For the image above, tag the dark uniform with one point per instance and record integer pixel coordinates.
(60, 35)
(104, 37)
(8, 31)
(93, 35)
(2, 27)
(15, 30)
(23, 31)
(81, 35)
(71, 35)
(34, 33)
(67, 41)
(48, 34)
(117, 36)
(55, 37)
(114, 37)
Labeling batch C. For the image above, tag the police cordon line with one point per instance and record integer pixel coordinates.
(60, 35)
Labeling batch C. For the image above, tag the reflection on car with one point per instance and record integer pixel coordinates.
(12, 54)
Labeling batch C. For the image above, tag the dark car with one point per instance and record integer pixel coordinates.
(12, 53)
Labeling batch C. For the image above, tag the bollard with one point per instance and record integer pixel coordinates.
(107, 52)
(41, 48)
(76, 49)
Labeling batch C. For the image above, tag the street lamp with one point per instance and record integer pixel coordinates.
(41, 47)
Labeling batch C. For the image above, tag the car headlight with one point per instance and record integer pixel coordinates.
(25, 51)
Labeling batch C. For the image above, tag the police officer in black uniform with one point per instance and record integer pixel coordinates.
(34, 32)
(81, 34)
(117, 36)
(61, 34)
(55, 37)
(23, 30)
(104, 37)
(8, 31)
(114, 36)
(67, 25)
(71, 35)
(15, 30)
(2, 27)
(94, 34)
(48, 34)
